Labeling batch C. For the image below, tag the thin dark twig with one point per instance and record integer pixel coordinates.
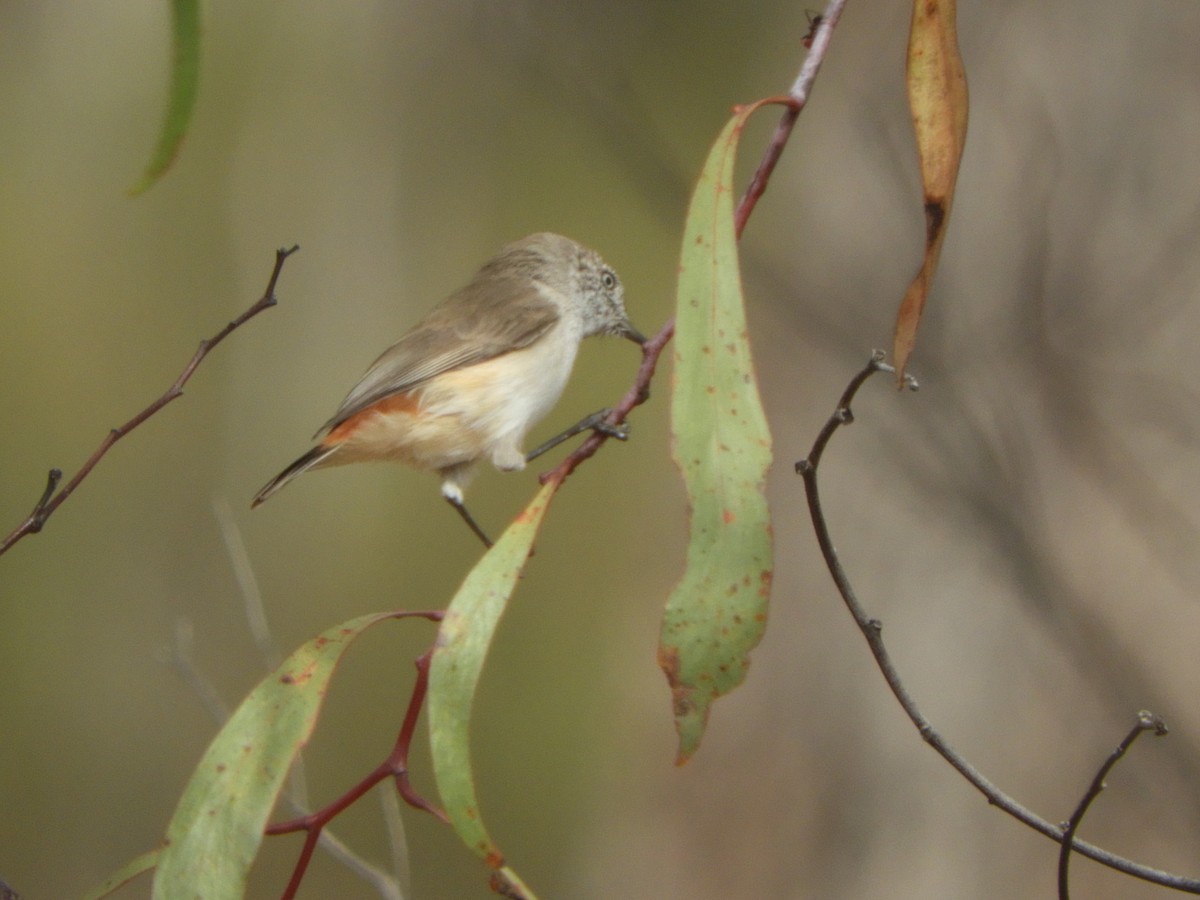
(872, 630)
(52, 481)
(1146, 721)
(396, 766)
(51, 501)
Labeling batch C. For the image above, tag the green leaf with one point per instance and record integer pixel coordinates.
(185, 77)
(125, 874)
(462, 645)
(717, 613)
(217, 827)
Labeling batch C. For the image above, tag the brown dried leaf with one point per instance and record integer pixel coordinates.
(937, 96)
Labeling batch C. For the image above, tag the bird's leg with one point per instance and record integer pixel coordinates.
(458, 504)
(594, 422)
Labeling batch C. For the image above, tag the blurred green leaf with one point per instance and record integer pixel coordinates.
(717, 613)
(185, 78)
(462, 645)
(125, 874)
(218, 826)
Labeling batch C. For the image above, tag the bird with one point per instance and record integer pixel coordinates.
(468, 380)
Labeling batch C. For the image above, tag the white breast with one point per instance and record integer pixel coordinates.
(501, 399)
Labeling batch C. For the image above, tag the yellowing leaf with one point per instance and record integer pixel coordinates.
(217, 827)
(937, 96)
(462, 646)
(125, 874)
(717, 613)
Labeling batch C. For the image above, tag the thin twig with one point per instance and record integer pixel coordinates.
(179, 656)
(51, 501)
(1146, 721)
(818, 44)
(797, 96)
(243, 571)
(397, 839)
(638, 394)
(872, 631)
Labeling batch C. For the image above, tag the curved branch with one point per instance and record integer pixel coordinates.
(1147, 721)
(872, 630)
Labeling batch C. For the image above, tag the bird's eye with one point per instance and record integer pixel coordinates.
(609, 279)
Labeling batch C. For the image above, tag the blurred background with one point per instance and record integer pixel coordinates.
(1025, 526)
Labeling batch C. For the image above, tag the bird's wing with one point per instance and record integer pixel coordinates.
(477, 323)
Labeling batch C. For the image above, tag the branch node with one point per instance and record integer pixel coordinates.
(1150, 722)
(40, 511)
(1146, 721)
(877, 364)
(871, 629)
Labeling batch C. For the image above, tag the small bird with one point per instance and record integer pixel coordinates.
(469, 380)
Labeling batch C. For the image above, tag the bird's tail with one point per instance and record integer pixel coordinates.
(313, 457)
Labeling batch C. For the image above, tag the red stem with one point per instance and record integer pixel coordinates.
(396, 765)
(397, 762)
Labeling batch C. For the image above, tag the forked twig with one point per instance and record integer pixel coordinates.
(395, 765)
(50, 500)
(1146, 721)
(872, 630)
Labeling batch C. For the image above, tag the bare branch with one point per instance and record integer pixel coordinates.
(1146, 721)
(50, 501)
(872, 630)
(638, 394)
(817, 42)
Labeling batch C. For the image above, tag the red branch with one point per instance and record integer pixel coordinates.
(638, 394)
(817, 40)
(397, 762)
(818, 43)
(395, 765)
(50, 501)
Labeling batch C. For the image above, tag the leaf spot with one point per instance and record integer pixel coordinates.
(935, 217)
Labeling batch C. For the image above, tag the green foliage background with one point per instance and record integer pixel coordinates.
(1025, 526)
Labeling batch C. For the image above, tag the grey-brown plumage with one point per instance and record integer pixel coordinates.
(471, 377)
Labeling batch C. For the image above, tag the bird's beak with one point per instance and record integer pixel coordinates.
(628, 331)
